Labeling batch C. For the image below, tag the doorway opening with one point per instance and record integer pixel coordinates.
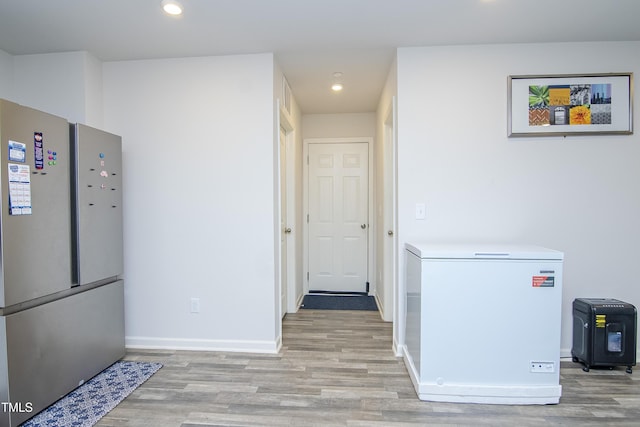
(337, 228)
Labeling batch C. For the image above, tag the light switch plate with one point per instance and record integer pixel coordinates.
(195, 305)
(421, 211)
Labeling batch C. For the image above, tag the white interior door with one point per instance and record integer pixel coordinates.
(284, 228)
(338, 217)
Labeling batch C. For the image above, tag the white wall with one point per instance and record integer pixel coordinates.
(577, 194)
(296, 155)
(338, 125)
(54, 83)
(93, 112)
(6, 76)
(68, 85)
(384, 168)
(198, 143)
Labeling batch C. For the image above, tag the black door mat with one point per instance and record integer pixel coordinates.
(339, 302)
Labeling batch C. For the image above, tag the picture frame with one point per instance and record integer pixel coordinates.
(570, 104)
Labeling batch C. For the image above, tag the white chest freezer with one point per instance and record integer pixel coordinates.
(483, 323)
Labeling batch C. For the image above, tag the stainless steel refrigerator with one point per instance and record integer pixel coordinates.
(61, 293)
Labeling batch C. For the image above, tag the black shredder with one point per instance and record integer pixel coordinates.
(604, 333)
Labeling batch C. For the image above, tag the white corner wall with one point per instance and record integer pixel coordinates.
(384, 289)
(6, 76)
(198, 144)
(93, 112)
(296, 170)
(55, 83)
(577, 194)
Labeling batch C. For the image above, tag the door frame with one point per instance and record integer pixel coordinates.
(284, 215)
(305, 205)
(285, 122)
(390, 208)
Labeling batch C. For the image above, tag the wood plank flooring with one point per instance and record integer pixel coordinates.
(336, 368)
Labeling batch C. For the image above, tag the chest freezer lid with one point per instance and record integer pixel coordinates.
(482, 251)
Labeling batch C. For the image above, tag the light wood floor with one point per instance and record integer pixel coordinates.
(336, 368)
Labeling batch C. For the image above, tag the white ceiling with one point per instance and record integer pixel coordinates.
(310, 38)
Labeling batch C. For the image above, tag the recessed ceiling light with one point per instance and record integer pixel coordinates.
(337, 82)
(172, 7)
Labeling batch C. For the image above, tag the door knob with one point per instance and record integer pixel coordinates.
(390, 232)
(287, 230)
(363, 226)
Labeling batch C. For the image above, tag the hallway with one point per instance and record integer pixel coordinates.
(336, 368)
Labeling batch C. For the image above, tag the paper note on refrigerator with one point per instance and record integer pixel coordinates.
(19, 189)
(17, 151)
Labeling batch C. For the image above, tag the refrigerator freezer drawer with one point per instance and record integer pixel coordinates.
(51, 348)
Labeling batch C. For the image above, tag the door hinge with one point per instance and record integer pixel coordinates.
(307, 159)
(307, 276)
(307, 218)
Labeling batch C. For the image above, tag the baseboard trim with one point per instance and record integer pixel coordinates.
(236, 346)
(381, 308)
(299, 302)
(398, 350)
(565, 353)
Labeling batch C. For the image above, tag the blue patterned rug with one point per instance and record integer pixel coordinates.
(85, 405)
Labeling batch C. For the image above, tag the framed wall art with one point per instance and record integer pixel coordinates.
(570, 104)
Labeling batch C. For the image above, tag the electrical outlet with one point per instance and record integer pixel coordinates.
(543, 367)
(195, 305)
